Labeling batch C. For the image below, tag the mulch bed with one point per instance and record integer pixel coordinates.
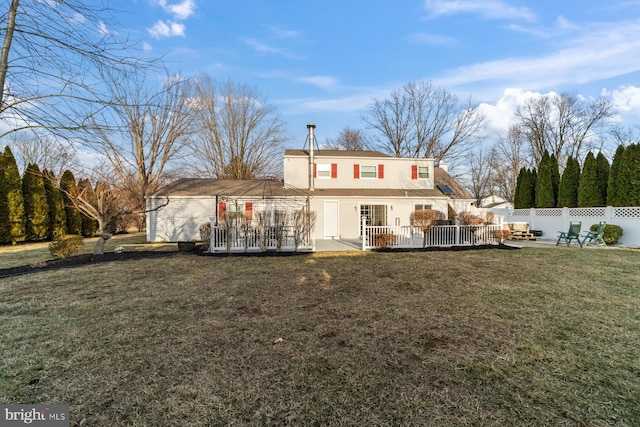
(81, 260)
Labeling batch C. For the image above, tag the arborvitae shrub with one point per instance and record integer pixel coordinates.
(568, 189)
(613, 184)
(36, 208)
(69, 189)
(14, 201)
(588, 195)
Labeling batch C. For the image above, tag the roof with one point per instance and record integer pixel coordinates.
(441, 177)
(336, 153)
(203, 187)
(268, 188)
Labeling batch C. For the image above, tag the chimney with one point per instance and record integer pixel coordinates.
(311, 138)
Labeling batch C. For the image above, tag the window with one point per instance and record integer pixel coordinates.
(368, 172)
(422, 207)
(324, 171)
(421, 172)
(375, 214)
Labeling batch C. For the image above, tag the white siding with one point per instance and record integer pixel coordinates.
(180, 220)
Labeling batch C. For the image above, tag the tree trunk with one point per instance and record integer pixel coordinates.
(102, 239)
(6, 47)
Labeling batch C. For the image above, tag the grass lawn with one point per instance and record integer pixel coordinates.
(484, 338)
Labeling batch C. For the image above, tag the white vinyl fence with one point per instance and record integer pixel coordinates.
(438, 236)
(552, 221)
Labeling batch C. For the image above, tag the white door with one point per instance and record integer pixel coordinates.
(331, 219)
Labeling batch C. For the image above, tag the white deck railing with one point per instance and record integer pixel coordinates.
(256, 239)
(438, 236)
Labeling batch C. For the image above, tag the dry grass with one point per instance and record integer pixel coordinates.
(529, 337)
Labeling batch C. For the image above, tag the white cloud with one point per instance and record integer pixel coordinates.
(625, 99)
(166, 29)
(147, 47)
(324, 82)
(603, 51)
(181, 10)
(102, 29)
(264, 48)
(500, 114)
(491, 9)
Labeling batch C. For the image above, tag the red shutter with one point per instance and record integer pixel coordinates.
(222, 208)
(315, 170)
(356, 171)
(414, 171)
(380, 171)
(248, 211)
(334, 170)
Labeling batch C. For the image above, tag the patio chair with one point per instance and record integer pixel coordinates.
(572, 234)
(596, 236)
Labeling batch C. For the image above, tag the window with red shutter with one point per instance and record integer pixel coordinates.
(315, 170)
(414, 171)
(248, 211)
(334, 170)
(380, 171)
(356, 171)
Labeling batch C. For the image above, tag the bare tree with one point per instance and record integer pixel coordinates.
(349, 139)
(43, 150)
(425, 220)
(50, 54)
(422, 120)
(240, 135)
(99, 203)
(480, 173)
(624, 135)
(148, 129)
(509, 158)
(561, 124)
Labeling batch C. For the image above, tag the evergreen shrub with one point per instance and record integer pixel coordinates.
(612, 233)
(66, 246)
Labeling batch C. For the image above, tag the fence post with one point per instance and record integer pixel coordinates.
(608, 214)
(532, 218)
(565, 219)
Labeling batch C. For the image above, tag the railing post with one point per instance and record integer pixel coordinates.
(363, 225)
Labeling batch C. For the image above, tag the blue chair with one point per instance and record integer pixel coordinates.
(572, 234)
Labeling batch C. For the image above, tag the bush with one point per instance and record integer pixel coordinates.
(384, 240)
(66, 246)
(205, 235)
(612, 233)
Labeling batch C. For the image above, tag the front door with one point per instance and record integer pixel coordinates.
(331, 219)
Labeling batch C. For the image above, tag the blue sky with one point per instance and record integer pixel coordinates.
(325, 62)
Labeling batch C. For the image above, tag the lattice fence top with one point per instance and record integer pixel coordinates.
(521, 212)
(548, 212)
(587, 212)
(633, 212)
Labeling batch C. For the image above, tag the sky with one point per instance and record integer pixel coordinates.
(325, 62)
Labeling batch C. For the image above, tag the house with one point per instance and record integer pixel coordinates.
(341, 187)
(494, 201)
